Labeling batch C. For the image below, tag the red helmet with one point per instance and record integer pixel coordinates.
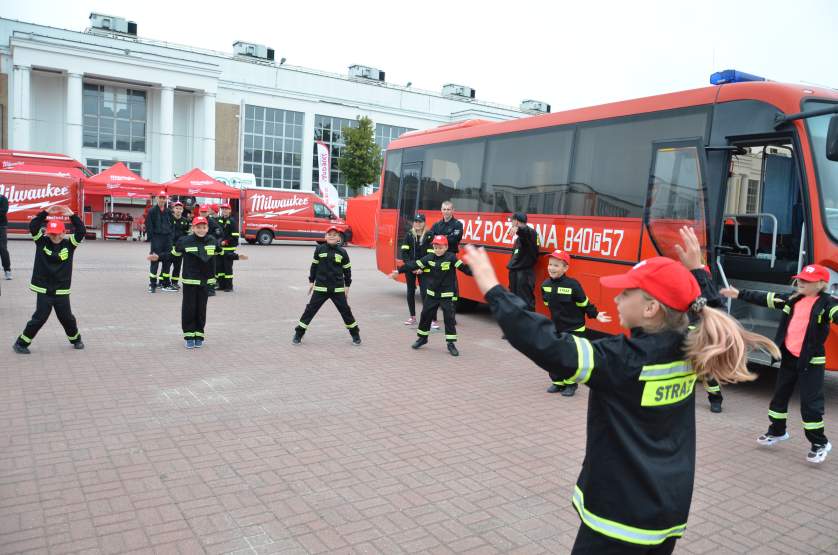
(440, 240)
(561, 255)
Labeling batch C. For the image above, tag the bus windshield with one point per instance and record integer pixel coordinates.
(827, 170)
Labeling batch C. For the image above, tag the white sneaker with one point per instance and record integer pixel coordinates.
(768, 440)
(410, 321)
(434, 325)
(818, 453)
(8, 274)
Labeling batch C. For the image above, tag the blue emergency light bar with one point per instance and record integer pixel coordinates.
(733, 76)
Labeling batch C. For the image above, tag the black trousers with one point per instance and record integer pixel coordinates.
(318, 298)
(43, 308)
(193, 311)
(589, 542)
(411, 280)
(558, 380)
(714, 390)
(4, 249)
(162, 246)
(429, 310)
(225, 273)
(177, 262)
(811, 398)
(522, 284)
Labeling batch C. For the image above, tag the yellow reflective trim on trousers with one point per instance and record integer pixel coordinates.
(778, 415)
(667, 392)
(712, 388)
(813, 425)
(187, 281)
(304, 326)
(584, 303)
(339, 289)
(352, 325)
(321, 289)
(62, 291)
(817, 360)
(189, 334)
(422, 332)
(620, 531)
(452, 337)
(73, 241)
(26, 339)
(666, 370)
(37, 289)
(74, 337)
(585, 364)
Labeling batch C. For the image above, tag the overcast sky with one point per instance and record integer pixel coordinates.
(567, 54)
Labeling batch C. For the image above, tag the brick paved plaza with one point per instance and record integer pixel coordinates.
(252, 445)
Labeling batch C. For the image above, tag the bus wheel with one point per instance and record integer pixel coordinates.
(466, 305)
(264, 237)
(343, 238)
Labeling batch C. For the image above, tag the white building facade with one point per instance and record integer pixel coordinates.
(102, 97)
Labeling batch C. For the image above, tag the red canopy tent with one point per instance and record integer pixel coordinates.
(196, 183)
(119, 181)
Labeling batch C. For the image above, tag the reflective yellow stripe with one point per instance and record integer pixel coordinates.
(452, 337)
(832, 312)
(235, 235)
(304, 326)
(323, 254)
(458, 263)
(564, 290)
(339, 289)
(813, 425)
(227, 249)
(321, 289)
(769, 300)
(787, 309)
(352, 325)
(667, 392)
(38, 235)
(584, 303)
(620, 531)
(817, 360)
(667, 370)
(74, 337)
(25, 339)
(447, 295)
(175, 253)
(187, 281)
(547, 289)
(191, 249)
(420, 332)
(712, 388)
(211, 281)
(420, 264)
(778, 415)
(62, 291)
(73, 241)
(37, 289)
(316, 261)
(405, 247)
(445, 266)
(585, 353)
(430, 293)
(347, 266)
(47, 251)
(579, 329)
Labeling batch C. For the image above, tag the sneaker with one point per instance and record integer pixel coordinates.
(20, 349)
(199, 343)
(190, 343)
(715, 406)
(410, 321)
(818, 453)
(555, 388)
(78, 345)
(298, 337)
(768, 440)
(453, 350)
(434, 325)
(228, 289)
(210, 292)
(152, 289)
(168, 288)
(419, 342)
(570, 390)
(356, 340)
(8, 274)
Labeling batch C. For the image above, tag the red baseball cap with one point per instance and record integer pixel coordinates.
(561, 255)
(199, 220)
(813, 272)
(161, 194)
(204, 208)
(178, 203)
(226, 205)
(55, 226)
(664, 279)
(440, 240)
(333, 228)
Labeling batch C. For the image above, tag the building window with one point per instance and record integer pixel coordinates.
(386, 133)
(753, 196)
(98, 166)
(273, 146)
(114, 118)
(329, 130)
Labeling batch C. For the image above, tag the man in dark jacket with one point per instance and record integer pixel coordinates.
(4, 251)
(524, 256)
(160, 230)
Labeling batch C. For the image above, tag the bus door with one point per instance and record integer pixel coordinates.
(676, 194)
(408, 199)
(762, 236)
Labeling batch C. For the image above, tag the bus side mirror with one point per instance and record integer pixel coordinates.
(832, 139)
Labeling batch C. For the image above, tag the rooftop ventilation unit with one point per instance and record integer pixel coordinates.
(101, 22)
(365, 72)
(535, 106)
(458, 90)
(258, 51)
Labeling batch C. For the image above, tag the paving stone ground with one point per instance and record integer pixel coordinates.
(252, 445)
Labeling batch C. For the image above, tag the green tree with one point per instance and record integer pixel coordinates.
(361, 158)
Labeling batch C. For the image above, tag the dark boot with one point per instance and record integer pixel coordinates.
(569, 390)
(419, 342)
(453, 349)
(298, 337)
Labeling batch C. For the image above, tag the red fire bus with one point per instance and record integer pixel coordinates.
(744, 162)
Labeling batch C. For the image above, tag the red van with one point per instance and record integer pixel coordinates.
(269, 214)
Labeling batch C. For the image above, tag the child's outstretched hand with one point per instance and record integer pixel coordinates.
(393, 275)
(603, 317)
(481, 267)
(153, 257)
(690, 253)
(729, 292)
(243, 257)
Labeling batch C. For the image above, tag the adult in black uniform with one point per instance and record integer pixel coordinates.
(160, 232)
(181, 224)
(329, 277)
(521, 265)
(441, 282)
(452, 228)
(4, 249)
(416, 244)
(228, 226)
(52, 274)
(634, 491)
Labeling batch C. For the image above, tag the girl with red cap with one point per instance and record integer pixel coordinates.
(568, 306)
(634, 491)
(803, 330)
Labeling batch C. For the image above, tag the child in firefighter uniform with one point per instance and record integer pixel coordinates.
(634, 492)
(52, 274)
(416, 244)
(568, 305)
(440, 290)
(229, 229)
(181, 225)
(804, 328)
(199, 250)
(204, 211)
(329, 277)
